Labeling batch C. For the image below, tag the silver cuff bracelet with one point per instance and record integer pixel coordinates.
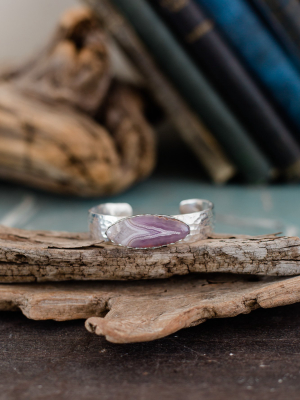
(114, 222)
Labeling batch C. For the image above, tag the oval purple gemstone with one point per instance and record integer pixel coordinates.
(146, 231)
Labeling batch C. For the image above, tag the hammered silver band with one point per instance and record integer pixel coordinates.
(197, 214)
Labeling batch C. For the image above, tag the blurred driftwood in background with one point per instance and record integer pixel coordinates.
(65, 124)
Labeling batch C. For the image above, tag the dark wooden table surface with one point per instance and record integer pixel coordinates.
(254, 356)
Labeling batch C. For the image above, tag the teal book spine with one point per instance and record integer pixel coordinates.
(234, 84)
(192, 130)
(261, 52)
(279, 27)
(193, 86)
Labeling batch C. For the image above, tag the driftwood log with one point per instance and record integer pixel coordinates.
(65, 125)
(146, 310)
(29, 256)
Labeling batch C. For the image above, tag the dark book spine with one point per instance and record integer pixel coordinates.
(192, 130)
(195, 88)
(223, 68)
(288, 13)
(256, 45)
(277, 27)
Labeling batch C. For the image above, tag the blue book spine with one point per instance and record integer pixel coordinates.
(194, 87)
(256, 45)
(279, 27)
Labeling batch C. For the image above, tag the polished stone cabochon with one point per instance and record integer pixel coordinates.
(146, 231)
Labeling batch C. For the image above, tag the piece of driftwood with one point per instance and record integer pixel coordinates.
(28, 256)
(146, 310)
(50, 137)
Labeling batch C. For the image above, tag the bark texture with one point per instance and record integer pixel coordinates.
(29, 256)
(51, 136)
(146, 310)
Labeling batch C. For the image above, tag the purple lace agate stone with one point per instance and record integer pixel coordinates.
(146, 231)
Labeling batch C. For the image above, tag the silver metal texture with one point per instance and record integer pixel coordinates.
(196, 213)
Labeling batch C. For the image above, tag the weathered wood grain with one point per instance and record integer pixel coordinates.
(65, 125)
(146, 310)
(29, 256)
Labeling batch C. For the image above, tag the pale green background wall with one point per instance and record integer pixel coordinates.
(25, 24)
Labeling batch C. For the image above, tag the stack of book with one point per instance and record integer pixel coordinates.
(227, 74)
